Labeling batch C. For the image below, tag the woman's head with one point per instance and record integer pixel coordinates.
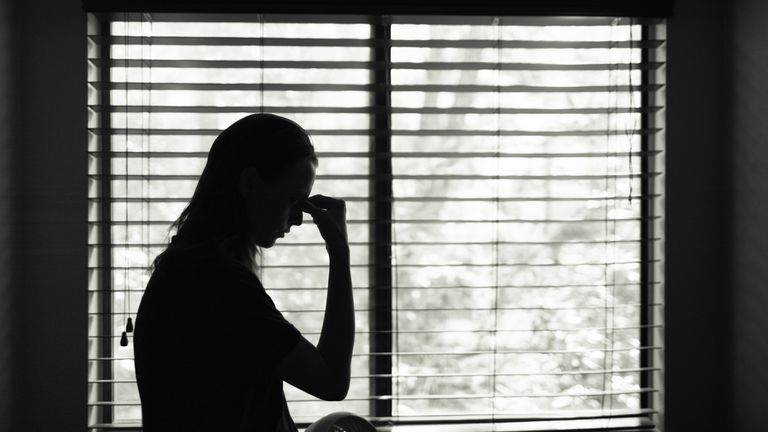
(257, 169)
(272, 208)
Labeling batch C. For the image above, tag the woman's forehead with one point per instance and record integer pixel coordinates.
(300, 178)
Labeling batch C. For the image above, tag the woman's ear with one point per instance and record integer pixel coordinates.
(250, 180)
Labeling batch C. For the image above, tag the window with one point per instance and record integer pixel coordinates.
(504, 184)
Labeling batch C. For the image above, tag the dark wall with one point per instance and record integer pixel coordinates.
(749, 230)
(6, 209)
(50, 227)
(697, 297)
(43, 164)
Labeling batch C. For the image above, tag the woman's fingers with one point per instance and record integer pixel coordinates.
(322, 203)
(329, 215)
(317, 202)
(307, 207)
(326, 202)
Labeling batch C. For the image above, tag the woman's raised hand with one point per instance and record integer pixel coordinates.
(324, 371)
(329, 214)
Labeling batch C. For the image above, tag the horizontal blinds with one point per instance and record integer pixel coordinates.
(563, 75)
(526, 167)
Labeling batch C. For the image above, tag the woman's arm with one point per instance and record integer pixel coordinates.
(338, 334)
(324, 371)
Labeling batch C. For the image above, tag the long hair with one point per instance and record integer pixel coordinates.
(216, 216)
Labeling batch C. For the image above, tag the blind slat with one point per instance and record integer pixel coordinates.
(363, 110)
(412, 332)
(395, 132)
(368, 65)
(431, 199)
(500, 308)
(431, 331)
(501, 287)
(468, 375)
(288, 243)
(371, 87)
(414, 154)
(480, 221)
(555, 17)
(426, 397)
(346, 42)
(443, 265)
(477, 352)
(551, 178)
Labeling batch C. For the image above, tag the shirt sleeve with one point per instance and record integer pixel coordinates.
(268, 336)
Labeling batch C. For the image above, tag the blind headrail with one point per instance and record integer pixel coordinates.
(212, 10)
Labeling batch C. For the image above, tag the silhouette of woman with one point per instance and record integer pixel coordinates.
(211, 349)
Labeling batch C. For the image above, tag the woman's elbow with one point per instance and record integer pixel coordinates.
(335, 396)
(339, 391)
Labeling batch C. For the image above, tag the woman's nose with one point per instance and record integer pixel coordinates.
(295, 217)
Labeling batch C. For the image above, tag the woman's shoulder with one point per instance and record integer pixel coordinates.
(213, 258)
(182, 255)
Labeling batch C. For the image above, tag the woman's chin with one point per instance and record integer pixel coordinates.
(267, 243)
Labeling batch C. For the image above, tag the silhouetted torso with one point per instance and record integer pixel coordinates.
(206, 340)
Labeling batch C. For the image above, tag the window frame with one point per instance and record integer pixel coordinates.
(381, 206)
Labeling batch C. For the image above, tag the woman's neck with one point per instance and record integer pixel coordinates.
(234, 249)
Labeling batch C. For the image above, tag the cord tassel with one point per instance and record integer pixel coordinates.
(124, 340)
(129, 326)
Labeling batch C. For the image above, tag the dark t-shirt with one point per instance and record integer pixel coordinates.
(206, 341)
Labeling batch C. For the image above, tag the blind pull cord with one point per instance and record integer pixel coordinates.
(129, 323)
(126, 293)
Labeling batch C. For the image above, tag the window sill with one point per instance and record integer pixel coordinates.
(617, 425)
